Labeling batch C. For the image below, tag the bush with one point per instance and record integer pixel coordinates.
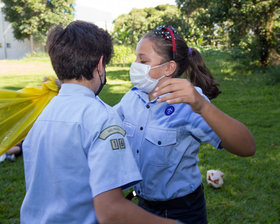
(123, 56)
(37, 55)
(273, 73)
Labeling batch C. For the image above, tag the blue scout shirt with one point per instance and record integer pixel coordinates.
(75, 150)
(165, 140)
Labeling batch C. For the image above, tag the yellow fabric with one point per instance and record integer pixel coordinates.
(20, 109)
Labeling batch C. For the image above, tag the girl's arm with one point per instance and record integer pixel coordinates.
(235, 136)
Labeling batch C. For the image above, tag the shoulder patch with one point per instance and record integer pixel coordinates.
(110, 131)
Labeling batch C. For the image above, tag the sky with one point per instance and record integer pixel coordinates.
(103, 12)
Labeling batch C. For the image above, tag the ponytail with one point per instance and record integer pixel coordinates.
(199, 75)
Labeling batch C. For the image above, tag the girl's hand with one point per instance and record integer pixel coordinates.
(57, 82)
(181, 91)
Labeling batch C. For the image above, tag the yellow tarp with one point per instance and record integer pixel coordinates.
(20, 109)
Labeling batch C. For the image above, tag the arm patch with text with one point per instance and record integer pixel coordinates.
(110, 131)
(115, 143)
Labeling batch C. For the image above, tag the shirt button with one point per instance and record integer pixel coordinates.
(159, 142)
(148, 106)
(137, 151)
(141, 128)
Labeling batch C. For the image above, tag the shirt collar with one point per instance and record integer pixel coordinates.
(144, 96)
(75, 89)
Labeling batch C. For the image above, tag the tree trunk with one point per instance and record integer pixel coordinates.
(263, 45)
(266, 39)
(31, 44)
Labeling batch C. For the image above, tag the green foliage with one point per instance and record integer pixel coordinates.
(248, 24)
(273, 74)
(253, 26)
(123, 55)
(37, 55)
(130, 28)
(33, 18)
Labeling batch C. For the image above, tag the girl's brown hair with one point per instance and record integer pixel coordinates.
(189, 62)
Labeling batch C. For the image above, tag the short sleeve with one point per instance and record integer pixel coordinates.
(203, 132)
(199, 90)
(110, 159)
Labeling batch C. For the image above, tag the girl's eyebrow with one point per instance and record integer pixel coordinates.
(143, 55)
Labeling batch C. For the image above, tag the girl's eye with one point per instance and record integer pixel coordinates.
(143, 62)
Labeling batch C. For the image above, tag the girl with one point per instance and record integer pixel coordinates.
(166, 118)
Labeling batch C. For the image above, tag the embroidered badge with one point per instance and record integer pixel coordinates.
(121, 143)
(169, 110)
(114, 144)
(110, 131)
(117, 143)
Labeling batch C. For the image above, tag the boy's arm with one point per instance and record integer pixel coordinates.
(111, 207)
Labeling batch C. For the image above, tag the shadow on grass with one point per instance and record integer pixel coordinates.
(273, 74)
(14, 88)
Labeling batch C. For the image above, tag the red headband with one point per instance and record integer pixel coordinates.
(168, 33)
(173, 42)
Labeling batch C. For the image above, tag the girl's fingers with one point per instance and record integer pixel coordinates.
(173, 97)
(167, 97)
(180, 91)
(168, 86)
(171, 101)
(160, 90)
(168, 82)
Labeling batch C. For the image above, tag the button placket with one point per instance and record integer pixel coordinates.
(141, 129)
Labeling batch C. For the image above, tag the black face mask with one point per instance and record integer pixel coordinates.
(101, 85)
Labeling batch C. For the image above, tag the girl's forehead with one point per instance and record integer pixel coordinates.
(145, 47)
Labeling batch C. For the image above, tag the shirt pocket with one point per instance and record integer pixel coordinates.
(160, 146)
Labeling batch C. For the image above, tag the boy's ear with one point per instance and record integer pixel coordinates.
(100, 64)
(171, 68)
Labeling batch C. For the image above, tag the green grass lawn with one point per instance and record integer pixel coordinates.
(251, 190)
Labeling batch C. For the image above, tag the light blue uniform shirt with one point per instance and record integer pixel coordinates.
(75, 150)
(165, 140)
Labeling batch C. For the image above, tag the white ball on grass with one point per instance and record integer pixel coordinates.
(215, 178)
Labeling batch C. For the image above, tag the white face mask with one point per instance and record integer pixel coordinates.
(139, 76)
